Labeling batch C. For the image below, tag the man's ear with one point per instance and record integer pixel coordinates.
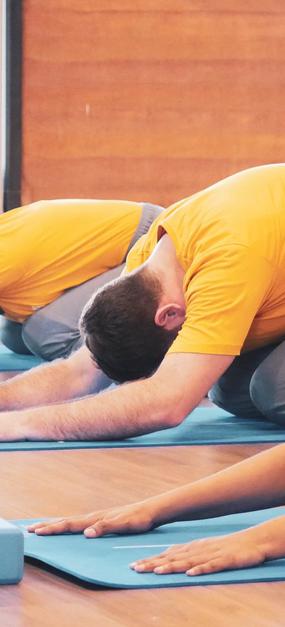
(170, 316)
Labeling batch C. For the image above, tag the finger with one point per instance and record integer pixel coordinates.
(42, 525)
(157, 563)
(172, 566)
(117, 524)
(35, 526)
(153, 558)
(210, 566)
(183, 552)
(152, 563)
(63, 525)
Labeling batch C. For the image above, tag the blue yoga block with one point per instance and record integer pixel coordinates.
(11, 553)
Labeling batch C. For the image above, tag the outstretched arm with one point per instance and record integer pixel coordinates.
(255, 483)
(53, 382)
(139, 407)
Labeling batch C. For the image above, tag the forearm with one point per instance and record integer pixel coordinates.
(49, 383)
(255, 483)
(161, 401)
(270, 537)
(45, 384)
(129, 410)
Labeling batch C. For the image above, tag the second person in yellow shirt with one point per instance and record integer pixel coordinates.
(54, 254)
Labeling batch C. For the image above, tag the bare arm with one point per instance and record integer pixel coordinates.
(135, 408)
(53, 382)
(245, 548)
(255, 483)
(258, 482)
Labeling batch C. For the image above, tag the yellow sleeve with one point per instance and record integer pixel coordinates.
(224, 290)
(143, 248)
(138, 254)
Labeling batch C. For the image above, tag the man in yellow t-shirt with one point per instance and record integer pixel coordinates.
(200, 307)
(54, 254)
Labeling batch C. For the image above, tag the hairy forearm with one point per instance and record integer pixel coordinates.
(255, 483)
(129, 410)
(159, 402)
(49, 383)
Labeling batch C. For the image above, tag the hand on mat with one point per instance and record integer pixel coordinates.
(237, 550)
(126, 519)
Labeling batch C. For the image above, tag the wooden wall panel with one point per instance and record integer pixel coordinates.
(149, 100)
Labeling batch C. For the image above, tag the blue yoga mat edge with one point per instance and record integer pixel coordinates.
(10, 361)
(67, 554)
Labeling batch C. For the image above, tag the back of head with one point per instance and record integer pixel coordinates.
(119, 328)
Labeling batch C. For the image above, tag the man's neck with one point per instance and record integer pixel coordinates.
(164, 263)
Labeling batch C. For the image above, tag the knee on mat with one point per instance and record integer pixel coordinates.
(217, 397)
(264, 392)
(35, 342)
(47, 342)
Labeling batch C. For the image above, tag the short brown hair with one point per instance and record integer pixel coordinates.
(120, 332)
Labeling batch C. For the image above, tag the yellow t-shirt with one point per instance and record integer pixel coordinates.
(230, 241)
(52, 245)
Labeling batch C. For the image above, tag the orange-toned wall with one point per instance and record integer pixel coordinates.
(149, 99)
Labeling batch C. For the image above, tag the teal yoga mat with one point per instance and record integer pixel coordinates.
(105, 561)
(206, 425)
(13, 361)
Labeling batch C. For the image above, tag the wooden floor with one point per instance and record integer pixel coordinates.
(52, 483)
